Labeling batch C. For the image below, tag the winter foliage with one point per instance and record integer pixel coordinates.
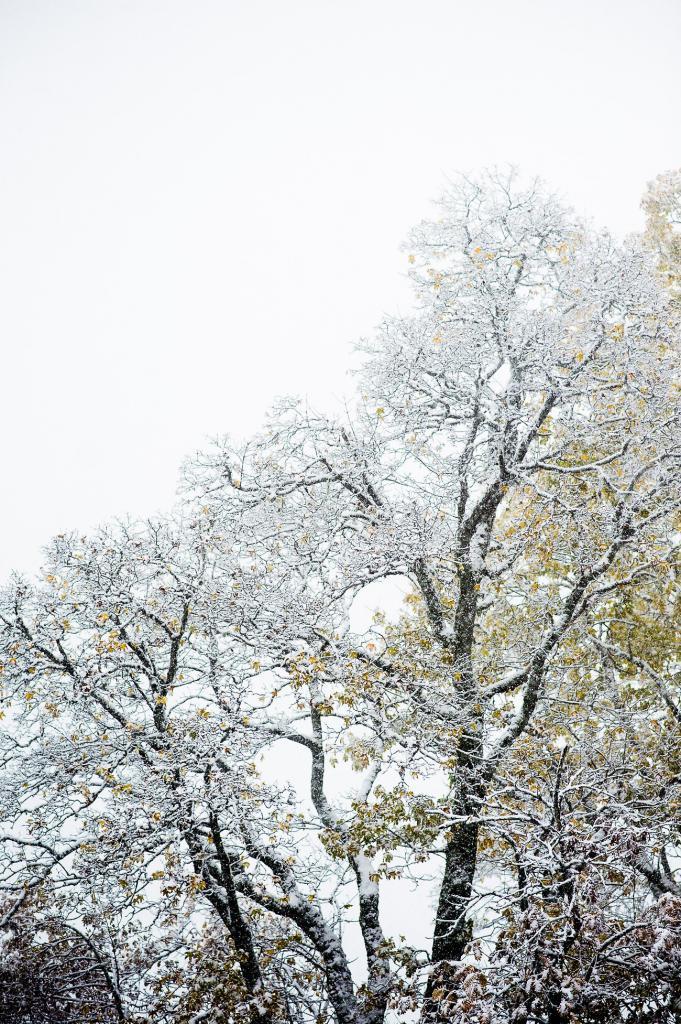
(213, 778)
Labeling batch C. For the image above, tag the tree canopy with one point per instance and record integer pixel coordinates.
(217, 772)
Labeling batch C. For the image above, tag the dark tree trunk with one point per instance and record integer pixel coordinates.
(453, 929)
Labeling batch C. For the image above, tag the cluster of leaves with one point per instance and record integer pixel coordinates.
(54, 973)
(662, 206)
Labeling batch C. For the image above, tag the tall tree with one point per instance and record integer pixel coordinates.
(512, 466)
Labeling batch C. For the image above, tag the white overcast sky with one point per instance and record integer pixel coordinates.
(201, 203)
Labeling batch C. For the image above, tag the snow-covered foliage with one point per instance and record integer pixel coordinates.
(512, 465)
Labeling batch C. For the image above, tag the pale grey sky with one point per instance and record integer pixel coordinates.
(201, 202)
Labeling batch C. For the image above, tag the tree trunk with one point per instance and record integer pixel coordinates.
(453, 930)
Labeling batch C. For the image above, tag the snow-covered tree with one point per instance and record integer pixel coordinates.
(200, 736)
(662, 206)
